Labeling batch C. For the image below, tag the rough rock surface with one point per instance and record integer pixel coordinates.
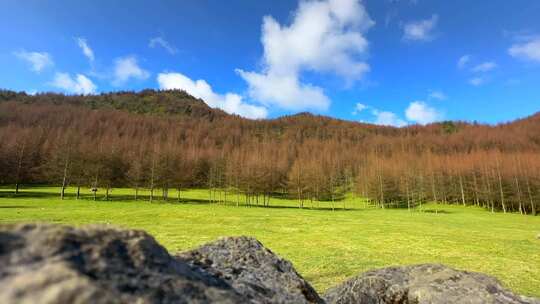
(58, 264)
(252, 270)
(418, 284)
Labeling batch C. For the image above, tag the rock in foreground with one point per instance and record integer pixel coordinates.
(253, 271)
(58, 264)
(419, 284)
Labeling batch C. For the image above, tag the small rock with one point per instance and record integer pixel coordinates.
(419, 284)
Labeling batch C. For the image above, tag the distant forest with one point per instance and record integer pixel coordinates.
(162, 140)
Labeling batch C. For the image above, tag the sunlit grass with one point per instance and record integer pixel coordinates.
(325, 246)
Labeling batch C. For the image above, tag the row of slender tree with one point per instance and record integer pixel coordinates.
(306, 157)
(509, 182)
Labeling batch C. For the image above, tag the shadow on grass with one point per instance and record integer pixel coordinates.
(336, 209)
(16, 207)
(117, 198)
(436, 211)
(22, 194)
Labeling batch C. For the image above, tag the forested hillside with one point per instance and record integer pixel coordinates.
(168, 139)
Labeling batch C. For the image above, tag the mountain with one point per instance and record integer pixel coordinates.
(178, 106)
(172, 102)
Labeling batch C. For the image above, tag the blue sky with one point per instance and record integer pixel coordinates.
(382, 61)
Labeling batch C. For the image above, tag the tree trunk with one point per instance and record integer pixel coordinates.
(476, 200)
(462, 191)
(501, 188)
(165, 193)
(518, 189)
(152, 176)
(433, 187)
(408, 196)
(64, 178)
(19, 167)
(531, 200)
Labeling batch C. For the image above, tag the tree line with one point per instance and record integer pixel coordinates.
(132, 140)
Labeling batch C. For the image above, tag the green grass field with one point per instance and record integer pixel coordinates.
(325, 246)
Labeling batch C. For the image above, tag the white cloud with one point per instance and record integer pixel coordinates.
(477, 81)
(481, 70)
(420, 30)
(325, 36)
(437, 95)
(463, 61)
(359, 107)
(230, 102)
(484, 67)
(127, 68)
(160, 41)
(528, 50)
(286, 92)
(38, 61)
(386, 118)
(78, 85)
(420, 112)
(87, 51)
(417, 112)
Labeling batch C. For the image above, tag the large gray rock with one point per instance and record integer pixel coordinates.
(418, 284)
(253, 270)
(58, 264)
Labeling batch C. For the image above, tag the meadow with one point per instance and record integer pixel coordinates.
(325, 246)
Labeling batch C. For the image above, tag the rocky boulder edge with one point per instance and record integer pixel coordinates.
(253, 270)
(59, 264)
(422, 284)
(42, 263)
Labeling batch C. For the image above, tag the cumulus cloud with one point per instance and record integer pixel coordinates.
(161, 42)
(463, 61)
(477, 81)
(437, 95)
(386, 118)
(325, 36)
(126, 68)
(87, 51)
(78, 85)
(230, 102)
(286, 91)
(484, 67)
(38, 61)
(528, 49)
(421, 30)
(417, 112)
(420, 112)
(359, 107)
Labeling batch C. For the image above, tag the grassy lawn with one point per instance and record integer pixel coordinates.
(325, 246)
